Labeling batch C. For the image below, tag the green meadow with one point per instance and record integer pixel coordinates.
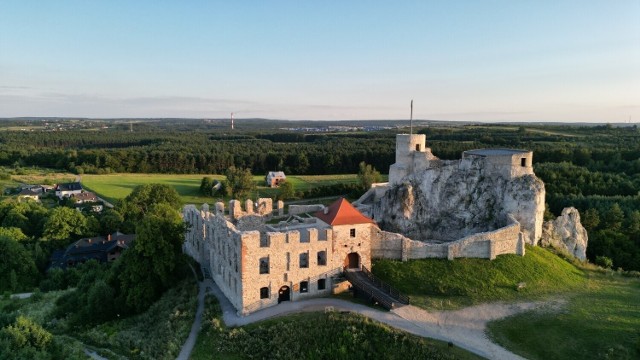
(113, 187)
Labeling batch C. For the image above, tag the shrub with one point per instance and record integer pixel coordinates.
(604, 261)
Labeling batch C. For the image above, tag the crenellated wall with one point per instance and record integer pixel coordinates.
(252, 261)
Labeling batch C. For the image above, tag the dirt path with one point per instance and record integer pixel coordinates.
(465, 328)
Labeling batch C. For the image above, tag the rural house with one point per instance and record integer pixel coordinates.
(68, 189)
(100, 248)
(275, 178)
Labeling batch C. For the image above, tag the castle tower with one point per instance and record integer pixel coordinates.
(406, 144)
(412, 154)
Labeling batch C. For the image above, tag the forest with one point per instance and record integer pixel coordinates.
(595, 168)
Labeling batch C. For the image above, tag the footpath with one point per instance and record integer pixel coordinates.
(464, 328)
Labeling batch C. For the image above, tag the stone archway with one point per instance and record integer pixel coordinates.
(284, 294)
(352, 261)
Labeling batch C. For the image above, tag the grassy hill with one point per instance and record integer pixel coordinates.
(444, 284)
(600, 319)
(333, 335)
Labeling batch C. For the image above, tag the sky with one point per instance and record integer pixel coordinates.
(571, 61)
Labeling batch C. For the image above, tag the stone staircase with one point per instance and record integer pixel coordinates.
(368, 284)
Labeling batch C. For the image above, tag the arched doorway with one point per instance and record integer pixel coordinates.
(352, 261)
(284, 294)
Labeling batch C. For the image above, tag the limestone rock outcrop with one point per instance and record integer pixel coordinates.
(566, 232)
(451, 201)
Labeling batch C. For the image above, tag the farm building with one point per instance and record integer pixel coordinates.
(275, 178)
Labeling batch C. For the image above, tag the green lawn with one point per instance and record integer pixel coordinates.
(315, 336)
(117, 186)
(602, 321)
(445, 284)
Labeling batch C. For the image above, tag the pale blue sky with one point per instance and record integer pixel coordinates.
(459, 60)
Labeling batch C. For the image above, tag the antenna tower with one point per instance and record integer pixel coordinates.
(231, 121)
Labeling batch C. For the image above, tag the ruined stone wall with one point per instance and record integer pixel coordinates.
(301, 209)
(223, 254)
(233, 255)
(387, 245)
(343, 243)
(283, 251)
(488, 245)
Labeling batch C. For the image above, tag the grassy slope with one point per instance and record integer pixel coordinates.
(157, 333)
(315, 336)
(601, 322)
(117, 186)
(440, 283)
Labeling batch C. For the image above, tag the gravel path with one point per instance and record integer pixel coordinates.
(465, 328)
(188, 345)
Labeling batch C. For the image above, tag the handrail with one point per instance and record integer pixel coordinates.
(393, 292)
(370, 290)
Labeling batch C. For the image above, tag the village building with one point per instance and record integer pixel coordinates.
(84, 197)
(100, 248)
(67, 189)
(28, 194)
(275, 178)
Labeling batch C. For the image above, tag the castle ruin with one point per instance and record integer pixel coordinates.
(487, 204)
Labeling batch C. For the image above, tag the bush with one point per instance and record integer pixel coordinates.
(604, 261)
(351, 190)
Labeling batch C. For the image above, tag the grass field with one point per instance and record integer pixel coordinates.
(117, 186)
(601, 318)
(444, 284)
(315, 336)
(602, 321)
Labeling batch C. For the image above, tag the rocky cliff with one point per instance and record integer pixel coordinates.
(566, 232)
(450, 200)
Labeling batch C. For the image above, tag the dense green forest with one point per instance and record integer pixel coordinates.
(594, 168)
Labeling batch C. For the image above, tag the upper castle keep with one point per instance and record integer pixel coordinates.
(486, 204)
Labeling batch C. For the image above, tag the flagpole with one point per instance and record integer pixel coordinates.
(411, 119)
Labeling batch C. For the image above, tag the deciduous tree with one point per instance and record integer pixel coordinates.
(368, 175)
(239, 182)
(65, 223)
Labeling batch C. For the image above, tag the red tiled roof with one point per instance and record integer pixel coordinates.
(341, 212)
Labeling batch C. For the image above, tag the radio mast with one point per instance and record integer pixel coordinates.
(231, 121)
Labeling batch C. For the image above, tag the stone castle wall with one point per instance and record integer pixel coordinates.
(487, 245)
(251, 266)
